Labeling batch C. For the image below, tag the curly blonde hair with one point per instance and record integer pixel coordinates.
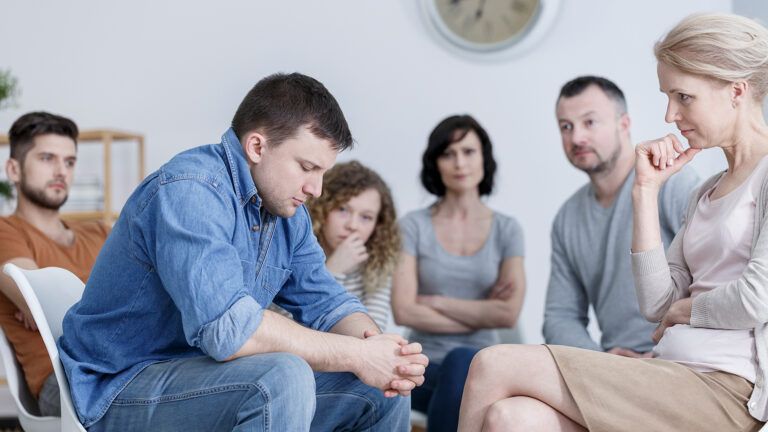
(343, 182)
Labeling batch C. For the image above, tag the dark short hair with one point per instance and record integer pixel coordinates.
(24, 130)
(280, 104)
(447, 132)
(576, 86)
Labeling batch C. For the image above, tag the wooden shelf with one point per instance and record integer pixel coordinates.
(90, 215)
(105, 137)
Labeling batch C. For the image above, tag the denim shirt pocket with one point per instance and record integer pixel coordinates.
(273, 278)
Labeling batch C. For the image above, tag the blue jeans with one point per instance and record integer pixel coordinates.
(440, 396)
(266, 392)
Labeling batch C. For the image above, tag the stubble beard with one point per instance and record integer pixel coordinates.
(39, 198)
(605, 166)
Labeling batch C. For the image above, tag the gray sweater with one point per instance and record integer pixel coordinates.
(739, 304)
(590, 266)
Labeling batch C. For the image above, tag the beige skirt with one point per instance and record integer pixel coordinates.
(617, 393)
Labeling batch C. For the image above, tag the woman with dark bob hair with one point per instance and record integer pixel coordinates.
(460, 273)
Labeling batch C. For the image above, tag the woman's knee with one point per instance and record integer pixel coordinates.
(518, 414)
(495, 362)
(488, 360)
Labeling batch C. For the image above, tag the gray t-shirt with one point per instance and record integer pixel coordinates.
(465, 277)
(591, 265)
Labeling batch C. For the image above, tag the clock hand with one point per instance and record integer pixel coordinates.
(479, 12)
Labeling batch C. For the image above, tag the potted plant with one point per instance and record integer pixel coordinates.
(9, 91)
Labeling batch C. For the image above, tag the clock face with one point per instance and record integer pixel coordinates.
(484, 25)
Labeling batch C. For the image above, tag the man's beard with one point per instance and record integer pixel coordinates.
(39, 198)
(605, 166)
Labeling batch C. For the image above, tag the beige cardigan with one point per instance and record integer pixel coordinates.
(741, 304)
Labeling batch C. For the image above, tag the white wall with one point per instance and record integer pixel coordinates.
(176, 71)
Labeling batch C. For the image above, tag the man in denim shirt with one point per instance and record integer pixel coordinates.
(172, 332)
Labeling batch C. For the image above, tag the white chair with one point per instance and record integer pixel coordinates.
(26, 405)
(49, 293)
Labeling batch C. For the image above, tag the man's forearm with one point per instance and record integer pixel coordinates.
(325, 352)
(355, 325)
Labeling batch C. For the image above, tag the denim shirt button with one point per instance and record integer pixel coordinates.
(255, 228)
(253, 199)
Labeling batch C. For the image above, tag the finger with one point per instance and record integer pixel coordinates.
(663, 153)
(658, 332)
(390, 393)
(405, 393)
(411, 348)
(655, 153)
(505, 293)
(417, 359)
(671, 153)
(402, 385)
(676, 144)
(417, 380)
(500, 290)
(411, 370)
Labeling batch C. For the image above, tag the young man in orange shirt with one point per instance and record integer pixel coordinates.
(41, 166)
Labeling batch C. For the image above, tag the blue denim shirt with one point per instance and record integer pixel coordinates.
(188, 270)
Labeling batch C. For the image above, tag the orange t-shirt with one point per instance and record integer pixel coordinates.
(19, 239)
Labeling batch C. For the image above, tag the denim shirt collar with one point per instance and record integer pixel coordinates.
(245, 188)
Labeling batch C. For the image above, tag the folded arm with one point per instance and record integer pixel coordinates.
(502, 307)
(406, 310)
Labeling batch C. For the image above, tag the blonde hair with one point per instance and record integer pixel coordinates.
(724, 47)
(340, 184)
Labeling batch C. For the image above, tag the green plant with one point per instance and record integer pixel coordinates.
(9, 89)
(6, 190)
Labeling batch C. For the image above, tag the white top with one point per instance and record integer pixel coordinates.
(717, 247)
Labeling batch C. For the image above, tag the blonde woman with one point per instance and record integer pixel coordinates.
(709, 292)
(356, 224)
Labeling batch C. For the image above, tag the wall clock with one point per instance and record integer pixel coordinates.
(489, 28)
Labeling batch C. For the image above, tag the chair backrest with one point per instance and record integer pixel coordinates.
(49, 293)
